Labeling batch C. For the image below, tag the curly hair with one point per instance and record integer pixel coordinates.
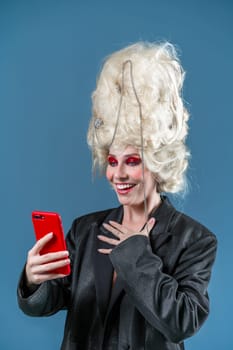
(157, 82)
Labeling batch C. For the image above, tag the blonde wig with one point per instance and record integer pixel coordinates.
(138, 102)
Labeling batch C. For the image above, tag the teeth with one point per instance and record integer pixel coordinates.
(124, 186)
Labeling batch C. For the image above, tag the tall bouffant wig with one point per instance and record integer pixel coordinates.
(139, 93)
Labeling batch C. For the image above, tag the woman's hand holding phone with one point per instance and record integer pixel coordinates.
(42, 267)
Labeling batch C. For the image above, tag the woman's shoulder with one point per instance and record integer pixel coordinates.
(83, 225)
(191, 228)
(183, 224)
(96, 217)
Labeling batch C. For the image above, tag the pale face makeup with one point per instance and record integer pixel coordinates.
(125, 174)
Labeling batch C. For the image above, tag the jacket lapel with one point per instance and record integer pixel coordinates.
(102, 265)
(164, 216)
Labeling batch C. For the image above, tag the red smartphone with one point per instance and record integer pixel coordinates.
(46, 222)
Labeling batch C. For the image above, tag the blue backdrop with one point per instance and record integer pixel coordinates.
(50, 54)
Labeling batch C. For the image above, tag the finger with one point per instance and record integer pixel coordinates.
(41, 243)
(35, 261)
(104, 251)
(40, 278)
(149, 226)
(118, 226)
(45, 258)
(108, 240)
(45, 268)
(113, 230)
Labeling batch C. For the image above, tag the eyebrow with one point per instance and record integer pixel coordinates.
(126, 155)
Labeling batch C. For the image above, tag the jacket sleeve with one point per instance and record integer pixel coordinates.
(175, 304)
(50, 296)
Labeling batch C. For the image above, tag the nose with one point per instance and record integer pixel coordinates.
(120, 172)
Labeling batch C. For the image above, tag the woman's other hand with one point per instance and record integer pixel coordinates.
(122, 233)
(40, 268)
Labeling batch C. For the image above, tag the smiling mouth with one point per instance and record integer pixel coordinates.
(124, 188)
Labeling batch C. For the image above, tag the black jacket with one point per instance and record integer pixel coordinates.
(160, 296)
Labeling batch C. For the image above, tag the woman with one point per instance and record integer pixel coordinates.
(139, 272)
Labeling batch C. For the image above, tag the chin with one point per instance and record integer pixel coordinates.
(128, 202)
(123, 201)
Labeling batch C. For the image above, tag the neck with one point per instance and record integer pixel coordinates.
(137, 213)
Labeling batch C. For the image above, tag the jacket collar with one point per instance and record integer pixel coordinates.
(163, 216)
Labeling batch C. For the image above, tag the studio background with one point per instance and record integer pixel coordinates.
(50, 55)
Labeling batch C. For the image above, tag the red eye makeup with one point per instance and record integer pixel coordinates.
(112, 161)
(133, 161)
